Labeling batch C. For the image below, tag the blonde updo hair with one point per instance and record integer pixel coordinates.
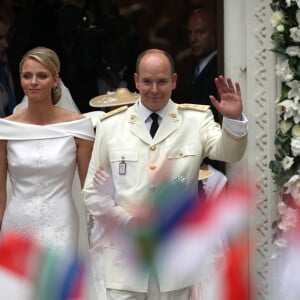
(49, 59)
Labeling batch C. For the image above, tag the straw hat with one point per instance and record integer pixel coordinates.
(121, 96)
(203, 174)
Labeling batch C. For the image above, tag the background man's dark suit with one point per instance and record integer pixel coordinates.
(204, 85)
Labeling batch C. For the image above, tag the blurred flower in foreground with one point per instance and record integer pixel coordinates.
(29, 272)
(189, 235)
(288, 262)
(17, 267)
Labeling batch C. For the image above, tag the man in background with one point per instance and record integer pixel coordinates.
(197, 72)
(202, 39)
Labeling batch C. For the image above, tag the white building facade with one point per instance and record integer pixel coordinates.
(248, 59)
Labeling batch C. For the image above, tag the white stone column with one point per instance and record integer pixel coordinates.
(248, 59)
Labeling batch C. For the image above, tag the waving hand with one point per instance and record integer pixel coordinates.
(230, 103)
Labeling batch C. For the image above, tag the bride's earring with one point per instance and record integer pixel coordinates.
(56, 89)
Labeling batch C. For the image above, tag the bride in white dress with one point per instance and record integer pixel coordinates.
(40, 148)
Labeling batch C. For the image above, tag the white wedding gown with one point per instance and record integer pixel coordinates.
(41, 168)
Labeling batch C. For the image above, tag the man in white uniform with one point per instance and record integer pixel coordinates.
(136, 156)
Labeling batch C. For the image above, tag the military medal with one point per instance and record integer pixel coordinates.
(122, 168)
(179, 180)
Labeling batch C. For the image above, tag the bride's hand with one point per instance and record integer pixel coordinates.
(102, 182)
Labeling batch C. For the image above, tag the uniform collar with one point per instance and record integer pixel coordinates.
(145, 112)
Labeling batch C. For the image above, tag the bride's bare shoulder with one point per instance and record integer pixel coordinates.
(66, 115)
(19, 116)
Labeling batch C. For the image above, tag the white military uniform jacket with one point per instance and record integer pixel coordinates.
(185, 136)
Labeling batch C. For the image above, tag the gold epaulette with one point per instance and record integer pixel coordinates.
(199, 107)
(113, 112)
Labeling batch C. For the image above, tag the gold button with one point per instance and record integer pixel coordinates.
(152, 167)
(173, 115)
(180, 153)
(132, 117)
(153, 148)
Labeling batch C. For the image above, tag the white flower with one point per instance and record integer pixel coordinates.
(293, 187)
(277, 18)
(283, 71)
(295, 146)
(287, 162)
(296, 130)
(285, 126)
(295, 34)
(288, 2)
(280, 28)
(296, 116)
(298, 13)
(281, 243)
(289, 109)
(293, 51)
(281, 207)
(288, 218)
(294, 92)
